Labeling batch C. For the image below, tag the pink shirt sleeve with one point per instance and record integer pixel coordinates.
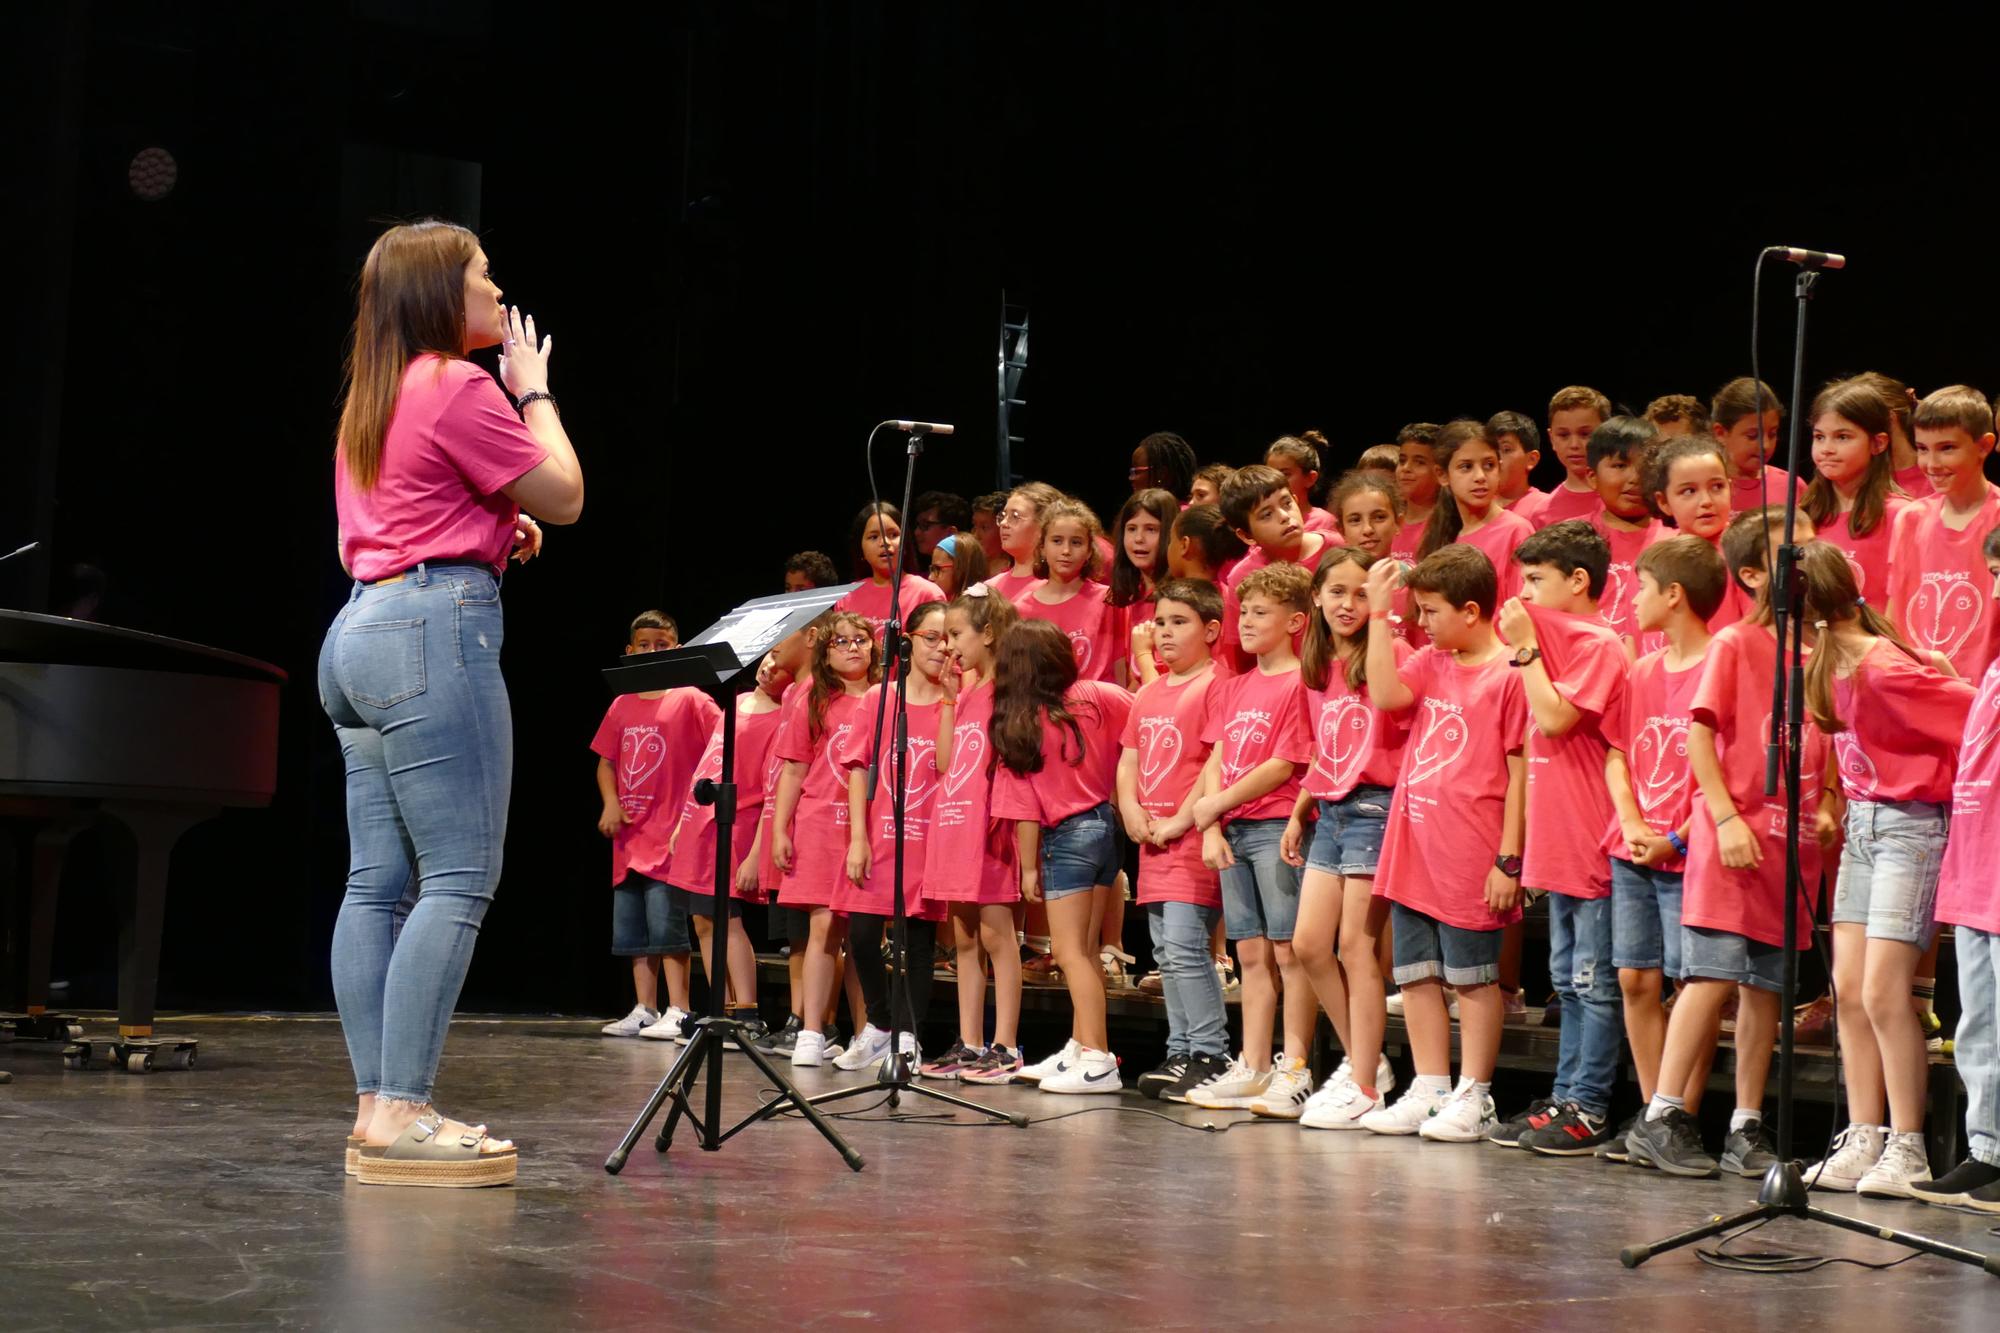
(1014, 795)
(484, 438)
(605, 743)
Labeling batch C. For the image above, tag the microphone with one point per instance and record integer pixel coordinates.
(20, 550)
(1808, 258)
(934, 427)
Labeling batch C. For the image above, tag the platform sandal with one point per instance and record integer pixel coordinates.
(439, 1154)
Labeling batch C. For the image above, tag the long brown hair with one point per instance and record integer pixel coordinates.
(1832, 599)
(1034, 668)
(412, 301)
(826, 682)
(1446, 522)
(1323, 648)
(1861, 402)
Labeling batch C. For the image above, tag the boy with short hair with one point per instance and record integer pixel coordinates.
(1451, 853)
(1574, 412)
(1675, 414)
(808, 570)
(935, 515)
(1383, 458)
(986, 511)
(1159, 780)
(1745, 416)
(1572, 668)
(1259, 507)
(1938, 589)
(1519, 441)
(1418, 478)
(647, 747)
(1257, 726)
(1616, 454)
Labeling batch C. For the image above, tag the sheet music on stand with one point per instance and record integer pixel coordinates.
(755, 627)
(744, 634)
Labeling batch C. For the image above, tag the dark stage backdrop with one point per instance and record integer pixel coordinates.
(755, 229)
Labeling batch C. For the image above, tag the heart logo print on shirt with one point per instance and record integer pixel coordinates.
(1984, 723)
(1944, 613)
(1440, 741)
(1860, 574)
(1616, 604)
(1160, 748)
(1857, 770)
(1079, 643)
(921, 767)
(1659, 763)
(968, 752)
(836, 741)
(1244, 733)
(1346, 737)
(641, 751)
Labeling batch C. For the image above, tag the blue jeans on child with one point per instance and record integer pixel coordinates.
(1196, 1021)
(1587, 984)
(409, 674)
(1260, 893)
(1976, 1045)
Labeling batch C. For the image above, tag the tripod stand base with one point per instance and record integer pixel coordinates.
(1783, 1194)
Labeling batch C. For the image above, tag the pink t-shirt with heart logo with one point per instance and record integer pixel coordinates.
(878, 894)
(1651, 729)
(1255, 717)
(1568, 801)
(820, 823)
(966, 860)
(1099, 633)
(1355, 744)
(1069, 783)
(693, 865)
(1940, 594)
(653, 746)
(1164, 734)
(1968, 892)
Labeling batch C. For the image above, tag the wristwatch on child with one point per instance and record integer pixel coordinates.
(1525, 656)
(1510, 866)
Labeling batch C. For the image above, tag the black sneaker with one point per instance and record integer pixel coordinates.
(1153, 1082)
(1986, 1198)
(1955, 1185)
(752, 1030)
(1750, 1151)
(1613, 1149)
(1673, 1144)
(780, 1041)
(1200, 1069)
(1507, 1134)
(1573, 1132)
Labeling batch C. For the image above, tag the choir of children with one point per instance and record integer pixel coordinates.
(1424, 697)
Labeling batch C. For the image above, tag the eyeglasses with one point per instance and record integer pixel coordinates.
(924, 524)
(1016, 516)
(930, 636)
(843, 642)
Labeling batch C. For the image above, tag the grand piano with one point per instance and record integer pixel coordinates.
(142, 737)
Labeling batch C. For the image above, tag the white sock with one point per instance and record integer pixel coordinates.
(1742, 1116)
(1483, 1089)
(1661, 1104)
(1437, 1083)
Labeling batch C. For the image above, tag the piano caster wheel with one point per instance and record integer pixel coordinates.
(184, 1059)
(139, 1062)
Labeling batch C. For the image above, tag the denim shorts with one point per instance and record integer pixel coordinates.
(1079, 854)
(703, 903)
(1348, 838)
(1889, 870)
(647, 918)
(1645, 918)
(1260, 893)
(1427, 949)
(1721, 955)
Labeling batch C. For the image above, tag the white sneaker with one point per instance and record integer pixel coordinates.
(1904, 1163)
(811, 1046)
(867, 1048)
(1341, 1106)
(1284, 1097)
(1088, 1071)
(632, 1024)
(1467, 1118)
(1041, 1069)
(1231, 1089)
(1395, 1004)
(1855, 1153)
(1410, 1112)
(669, 1025)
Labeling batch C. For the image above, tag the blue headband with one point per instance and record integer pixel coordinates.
(949, 546)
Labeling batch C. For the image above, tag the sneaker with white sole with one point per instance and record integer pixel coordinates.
(1200, 1069)
(1340, 1106)
(632, 1024)
(1467, 1118)
(1231, 1090)
(808, 1050)
(998, 1065)
(1854, 1155)
(1394, 1004)
(1904, 1162)
(1409, 1113)
(947, 1066)
(1284, 1097)
(668, 1025)
(1041, 1069)
(1088, 1071)
(867, 1048)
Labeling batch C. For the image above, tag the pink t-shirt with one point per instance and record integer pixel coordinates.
(1255, 717)
(768, 878)
(878, 894)
(1258, 558)
(453, 445)
(1939, 591)
(1355, 744)
(1164, 731)
(871, 599)
(1904, 722)
(1868, 555)
(966, 860)
(1749, 492)
(652, 746)
(1650, 727)
(1319, 520)
(1015, 581)
(1621, 580)
(820, 824)
(1411, 535)
(1069, 783)
(1562, 503)
(1968, 892)
(1496, 539)
(1914, 483)
(1451, 796)
(1568, 801)
(1097, 630)
(1734, 700)
(1529, 505)
(693, 865)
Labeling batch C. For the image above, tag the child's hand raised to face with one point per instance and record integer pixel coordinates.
(1382, 577)
(1514, 624)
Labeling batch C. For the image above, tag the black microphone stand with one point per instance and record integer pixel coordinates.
(1783, 1192)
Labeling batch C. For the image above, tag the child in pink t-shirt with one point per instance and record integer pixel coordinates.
(760, 879)
(1451, 850)
(1070, 597)
(1854, 502)
(1896, 718)
(647, 747)
(877, 542)
(1257, 726)
(1357, 749)
(1575, 413)
(1686, 481)
(1144, 524)
(1370, 509)
(1258, 504)
(969, 863)
(1572, 667)
(1936, 592)
(811, 849)
(1297, 457)
(1055, 760)
(1744, 417)
(1417, 478)
(1019, 525)
(1159, 780)
(1616, 453)
(1470, 511)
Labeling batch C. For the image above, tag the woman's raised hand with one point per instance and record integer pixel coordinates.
(524, 362)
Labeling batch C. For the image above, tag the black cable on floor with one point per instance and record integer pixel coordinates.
(1782, 1262)
(950, 1120)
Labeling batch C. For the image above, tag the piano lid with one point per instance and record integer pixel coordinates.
(27, 637)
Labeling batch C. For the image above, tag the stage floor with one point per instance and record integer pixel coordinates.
(215, 1198)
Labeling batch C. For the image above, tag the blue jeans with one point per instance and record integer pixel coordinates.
(1587, 984)
(410, 676)
(1079, 853)
(1260, 893)
(1196, 1022)
(1976, 1047)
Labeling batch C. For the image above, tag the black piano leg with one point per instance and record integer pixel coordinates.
(142, 906)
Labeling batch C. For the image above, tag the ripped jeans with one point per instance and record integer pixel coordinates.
(1586, 981)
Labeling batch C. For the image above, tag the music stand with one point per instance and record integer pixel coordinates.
(719, 661)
